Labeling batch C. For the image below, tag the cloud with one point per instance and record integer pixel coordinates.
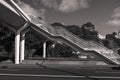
(115, 22)
(116, 13)
(66, 5)
(33, 7)
(29, 10)
(115, 17)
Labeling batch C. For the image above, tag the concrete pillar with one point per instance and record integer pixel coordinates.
(17, 47)
(44, 50)
(22, 48)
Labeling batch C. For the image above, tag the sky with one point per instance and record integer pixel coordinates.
(104, 14)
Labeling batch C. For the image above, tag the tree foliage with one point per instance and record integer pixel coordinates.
(61, 51)
(112, 42)
(75, 29)
(89, 32)
(34, 41)
(86, 31)
(6, 41)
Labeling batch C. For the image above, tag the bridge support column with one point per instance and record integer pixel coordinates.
(44, 50)
(22, 48)
(17, 47)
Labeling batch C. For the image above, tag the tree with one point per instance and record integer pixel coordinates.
(6, 41)
(34, 43)
(89, 32)
(75, 29)
(88, 26)
(61, 51)
(113, 41)
(105, 43)
(57, 24)
(111, 36)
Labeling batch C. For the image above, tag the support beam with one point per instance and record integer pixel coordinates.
(22, 48)
(44, 50)
(17, 47)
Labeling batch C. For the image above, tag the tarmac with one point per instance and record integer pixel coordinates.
(55, 64)
(57, 70)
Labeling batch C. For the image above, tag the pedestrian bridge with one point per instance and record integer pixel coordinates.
(16, 19)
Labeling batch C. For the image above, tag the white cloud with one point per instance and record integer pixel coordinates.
(116, 13)
(33, 7)
(66, 5)
(115, 22)
(115, 17)
(29, 10)
(51, 3)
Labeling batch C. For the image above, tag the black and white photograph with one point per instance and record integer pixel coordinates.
(59, 39)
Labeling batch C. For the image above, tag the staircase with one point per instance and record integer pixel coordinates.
(10, 10)
(61, 34)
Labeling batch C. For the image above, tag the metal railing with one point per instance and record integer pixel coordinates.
(86, 45)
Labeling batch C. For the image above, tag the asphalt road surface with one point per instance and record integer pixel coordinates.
(58, 73)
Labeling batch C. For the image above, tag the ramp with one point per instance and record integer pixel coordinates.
(63, 35)
(56, 34)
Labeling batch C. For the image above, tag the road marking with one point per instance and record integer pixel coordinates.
(34, 75)
(59, 76)
(8, 70)
(104, 77)
(106, 72)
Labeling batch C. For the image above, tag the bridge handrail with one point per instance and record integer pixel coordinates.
(60, 31)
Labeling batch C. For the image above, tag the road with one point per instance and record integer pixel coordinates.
(58, 73)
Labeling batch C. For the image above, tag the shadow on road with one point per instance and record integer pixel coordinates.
(76, 74)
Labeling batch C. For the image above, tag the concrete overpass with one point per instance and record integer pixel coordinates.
(17, 20)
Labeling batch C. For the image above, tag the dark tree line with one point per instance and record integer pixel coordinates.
(6, 40)
(112, 42)
(34, 41)
(86, 31)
